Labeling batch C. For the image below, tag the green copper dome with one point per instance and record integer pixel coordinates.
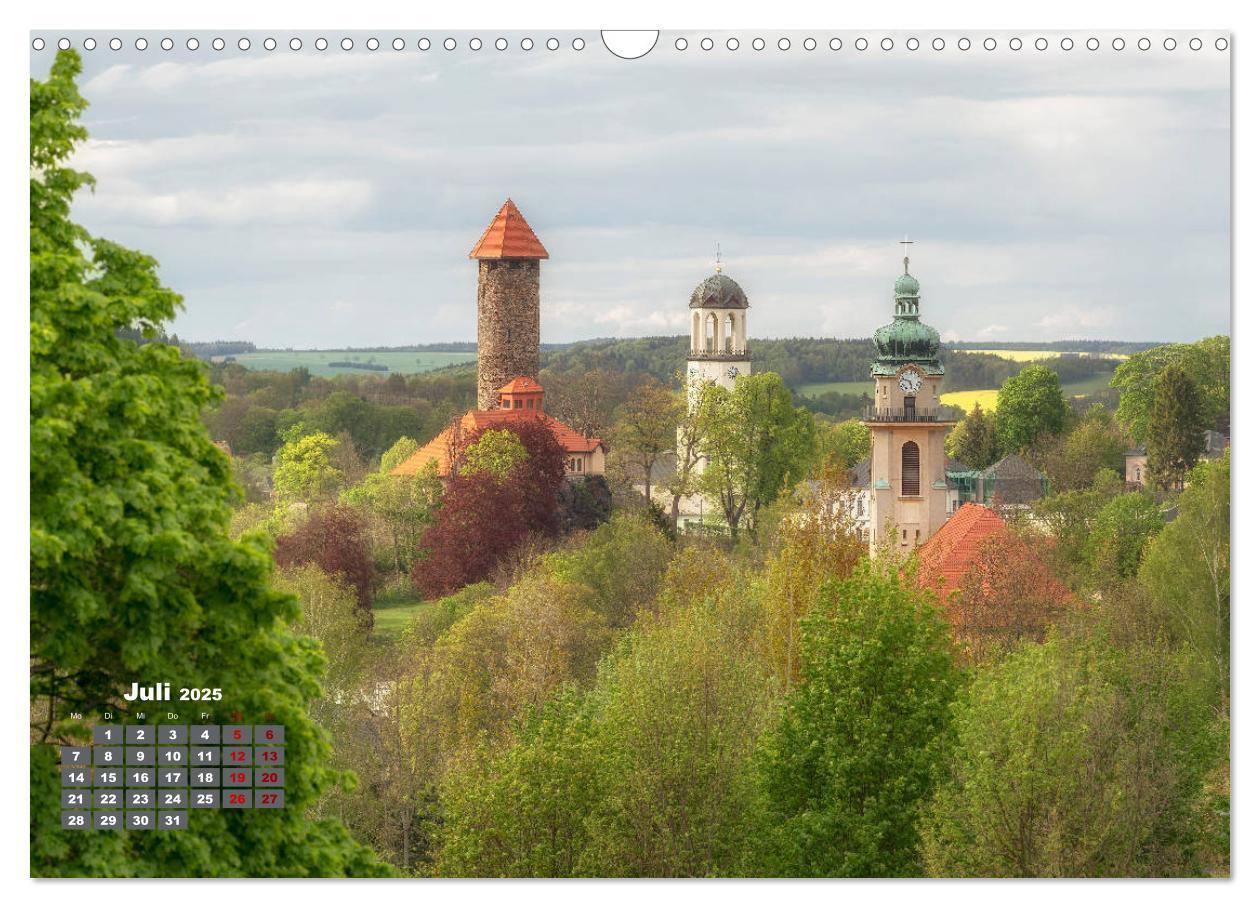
(906, 339)
(906, 286)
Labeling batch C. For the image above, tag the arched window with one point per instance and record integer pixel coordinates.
(710, 333)
(910, 469)
(730, 333)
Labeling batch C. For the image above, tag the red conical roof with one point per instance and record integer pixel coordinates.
(508, 237)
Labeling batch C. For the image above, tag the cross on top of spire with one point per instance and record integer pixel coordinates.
(717, 267)
(906, 244)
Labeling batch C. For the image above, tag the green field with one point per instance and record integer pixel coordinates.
(390, 621)
(1024, 356)
(317, 361)
(840, 387)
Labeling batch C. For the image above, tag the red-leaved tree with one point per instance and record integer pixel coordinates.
(332, 538)
(482, 519)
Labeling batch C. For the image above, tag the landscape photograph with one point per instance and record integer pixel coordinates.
(483, 455)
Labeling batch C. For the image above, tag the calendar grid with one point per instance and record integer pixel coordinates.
(149, 777)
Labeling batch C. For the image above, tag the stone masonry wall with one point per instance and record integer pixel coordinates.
(507, 325)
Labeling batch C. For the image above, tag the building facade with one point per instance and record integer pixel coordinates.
(909, 492)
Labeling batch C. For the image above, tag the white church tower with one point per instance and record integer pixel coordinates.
(719, 334)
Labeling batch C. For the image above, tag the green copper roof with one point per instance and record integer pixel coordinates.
(906, 339)
(906, 286)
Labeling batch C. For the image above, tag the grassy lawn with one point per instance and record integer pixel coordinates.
(840, 387)
(391, 619)
(317, 361)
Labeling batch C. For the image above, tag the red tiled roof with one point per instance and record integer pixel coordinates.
(440, 448)
(521, 385)
(945, 557)
(508, 237)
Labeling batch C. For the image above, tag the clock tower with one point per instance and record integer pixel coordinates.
(719, 334)
(909, 496)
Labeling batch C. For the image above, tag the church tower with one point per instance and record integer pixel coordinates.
(719, 334)
(908, 490)
(508, 256)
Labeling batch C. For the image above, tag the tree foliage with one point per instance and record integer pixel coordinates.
(1074, 759)
(1177, 424)
(304, 469)
(861, 741)
(755, 444)
(974, 441)
(1206, 362)
(133, 574)
(1030, 407)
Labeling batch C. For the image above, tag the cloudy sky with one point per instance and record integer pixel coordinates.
(327, 199)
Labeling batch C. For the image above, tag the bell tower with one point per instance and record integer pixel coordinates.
(719, 333)
(508, 257)
(909, 497)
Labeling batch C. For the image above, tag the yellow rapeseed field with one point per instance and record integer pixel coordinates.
(968, 399)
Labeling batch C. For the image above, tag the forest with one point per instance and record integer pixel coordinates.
(578, 689)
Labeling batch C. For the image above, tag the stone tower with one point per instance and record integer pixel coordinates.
(909, 496)
(508, 256)
(719, 334)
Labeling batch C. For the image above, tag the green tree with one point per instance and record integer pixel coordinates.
(496, 452)
(398, 452)
(1120, 534)
(843, 445)
(974, 440)
(399, 508)
(1177, 424)
(1186, 572)
(1096, 443)
(522, 812)
(1205, 361)
(756, 444)
(132, 573)
(646, 428)
(621, 561)
(861, 741)
(304, 467)
(1075, 759)
(1030, 407)
(330, 614)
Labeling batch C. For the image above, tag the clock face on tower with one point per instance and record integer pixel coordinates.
(731, 372)
(910, 381)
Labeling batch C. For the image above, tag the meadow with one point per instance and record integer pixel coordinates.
(1027, 356)
(813, 389)
(317, 361)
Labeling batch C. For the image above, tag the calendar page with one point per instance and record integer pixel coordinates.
(527, 452)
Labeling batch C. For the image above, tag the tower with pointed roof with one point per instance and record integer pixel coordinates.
(508, 257)
(719, 333)
(909, 494)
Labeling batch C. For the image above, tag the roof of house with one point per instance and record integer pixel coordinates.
(509, 236)
(951, 550)
(1014, 480)
(442, 447)
(521, 385)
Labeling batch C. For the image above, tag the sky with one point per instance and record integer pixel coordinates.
(314, 199)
